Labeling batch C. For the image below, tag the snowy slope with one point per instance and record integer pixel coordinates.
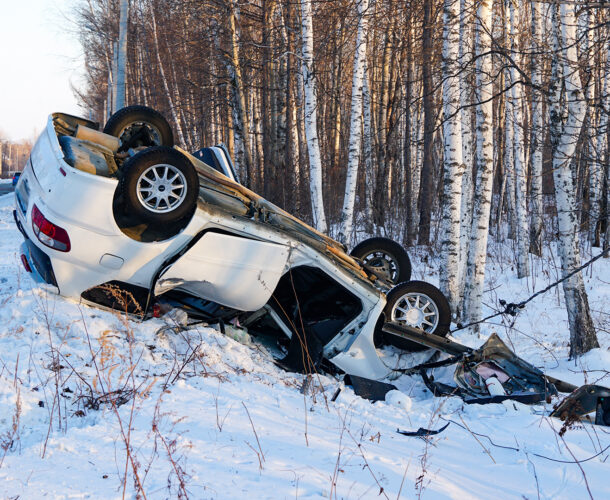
(206, 415)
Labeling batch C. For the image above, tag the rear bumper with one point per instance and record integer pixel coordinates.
(41, 269)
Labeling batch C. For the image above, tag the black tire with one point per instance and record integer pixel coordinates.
(157, 171)
(385, 258)
(138, 126)
(405, 294)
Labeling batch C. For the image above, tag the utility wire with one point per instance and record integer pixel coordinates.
(512, 308)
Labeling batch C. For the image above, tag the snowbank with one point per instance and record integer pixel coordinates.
(205, 416)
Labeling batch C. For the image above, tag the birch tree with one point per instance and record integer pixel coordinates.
(536, 131)
(172, 107)
(311, 119)
(369, 179)
(521, 223)
(596, 169)
(605, 143)
(241, 119)
(355, 133)
(567, 112)
(453, 164)
(122, 56)
(477, 255)
(466, 53)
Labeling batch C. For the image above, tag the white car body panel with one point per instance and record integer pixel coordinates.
(236, 272)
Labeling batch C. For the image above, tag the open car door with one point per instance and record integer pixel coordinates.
(231, 270)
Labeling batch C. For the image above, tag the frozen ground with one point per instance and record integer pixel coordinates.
(207, 417)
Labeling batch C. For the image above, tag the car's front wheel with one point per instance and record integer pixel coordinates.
(420, 305)
(159, 185)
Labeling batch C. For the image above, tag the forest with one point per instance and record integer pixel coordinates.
(443, 124)
(13, 156)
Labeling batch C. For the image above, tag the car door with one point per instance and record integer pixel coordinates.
(231, 270)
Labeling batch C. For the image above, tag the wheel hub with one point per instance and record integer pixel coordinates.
(416, 310)
(383, 265)
(140, 134)
(414, 316)
(161, 188)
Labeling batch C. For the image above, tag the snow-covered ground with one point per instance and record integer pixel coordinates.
(92, 404)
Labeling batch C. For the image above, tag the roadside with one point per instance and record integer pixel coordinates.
(202, 413)
(6, 186)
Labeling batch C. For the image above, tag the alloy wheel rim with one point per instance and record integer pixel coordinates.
(161, 188)
(417, 310)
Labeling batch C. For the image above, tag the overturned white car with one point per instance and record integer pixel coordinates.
(125, 210)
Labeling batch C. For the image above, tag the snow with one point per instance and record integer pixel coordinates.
(219, 416)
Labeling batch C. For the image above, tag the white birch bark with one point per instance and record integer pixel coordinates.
(241, 119)
(596, 169)
(122, 55)
(567, 113)
(477, 255)
(418, 133)
(604, 150)
(521, 222)
(466, 56)
(453, 164)
(507, 190)
(355, 133)
(536, 131)
(311, 118)
(368, 147)
(115, 70)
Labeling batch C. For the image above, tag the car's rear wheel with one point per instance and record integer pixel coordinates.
(159, 184)
(417, 304)
(385, 258)
(139, 126)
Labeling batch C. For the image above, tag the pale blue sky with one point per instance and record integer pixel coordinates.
(39, 57)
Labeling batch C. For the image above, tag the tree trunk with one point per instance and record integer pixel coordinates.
(172, 108)
(466, 84)
(241, 120)
(122, 56)
(564, 137)
(355, 133)
(369, 181)
(427, 174)
(477, 255)
(536, 140)
(311, 119)
(454, 165)
(521, 224)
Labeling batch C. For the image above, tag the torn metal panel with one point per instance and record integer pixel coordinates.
(584, 400)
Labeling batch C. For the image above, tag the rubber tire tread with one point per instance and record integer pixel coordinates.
(439, 299)
(137, 113)
(401, 256)
(133, 168)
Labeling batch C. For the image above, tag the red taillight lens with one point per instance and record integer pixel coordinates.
(48, 233)
(25, 263)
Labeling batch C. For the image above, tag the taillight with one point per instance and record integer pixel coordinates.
(25, 263)
(48, 233)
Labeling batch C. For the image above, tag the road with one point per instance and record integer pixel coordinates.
(6, 188)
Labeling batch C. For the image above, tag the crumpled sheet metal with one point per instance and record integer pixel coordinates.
(524, 377)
